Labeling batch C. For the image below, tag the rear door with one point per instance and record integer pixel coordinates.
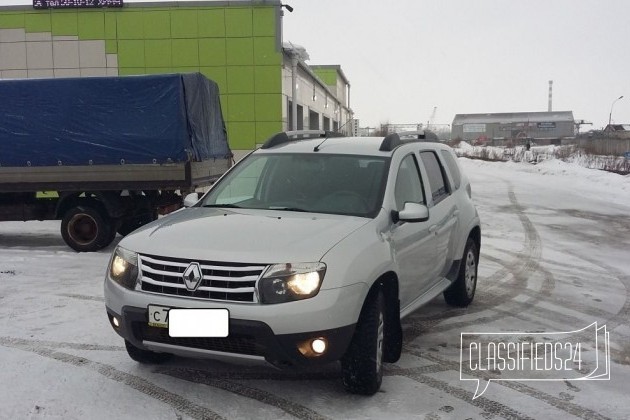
(443, 210)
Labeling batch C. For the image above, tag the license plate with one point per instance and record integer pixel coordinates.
(198, 323)
(158, 316)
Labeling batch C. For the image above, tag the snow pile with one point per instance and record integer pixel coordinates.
(538, 154)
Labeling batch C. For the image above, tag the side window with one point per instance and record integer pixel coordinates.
(453, 169)
(437, 180)
(408, 183)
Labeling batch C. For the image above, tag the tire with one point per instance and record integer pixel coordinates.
(133, 223)
(462, 291)
(362, 365)
(146, 356)
(393, 332)
(85, 229)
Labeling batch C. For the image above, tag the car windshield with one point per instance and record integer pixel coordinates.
(317, 182)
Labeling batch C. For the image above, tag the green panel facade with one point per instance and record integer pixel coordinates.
(238, 22)
(211, 23)
(91, 25)
(158, 53)
(156, 24)
(328, 76)
(36, 22)
(236, 46)
(64, 23)
(12, 20)
(184, 23)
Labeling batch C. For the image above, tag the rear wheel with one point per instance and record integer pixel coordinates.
(362, 365)
(146, 356)
(462, 291)
(133, 223)
(86, 229)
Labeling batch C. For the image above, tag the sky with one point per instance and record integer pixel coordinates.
(405, 58)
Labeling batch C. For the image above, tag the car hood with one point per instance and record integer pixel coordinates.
(243, 235)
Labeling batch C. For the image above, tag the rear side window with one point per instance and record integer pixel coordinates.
(452, 168)
(437, 180)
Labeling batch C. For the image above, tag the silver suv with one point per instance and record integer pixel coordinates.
(310, 250)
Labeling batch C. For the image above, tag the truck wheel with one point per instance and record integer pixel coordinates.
(146, 356)
(362, 365)
(85, 229)
(462, 291)
(131, 224)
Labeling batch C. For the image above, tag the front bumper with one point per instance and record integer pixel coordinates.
(248, 341)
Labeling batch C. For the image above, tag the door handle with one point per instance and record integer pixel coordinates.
(456, 213)
(432, 228)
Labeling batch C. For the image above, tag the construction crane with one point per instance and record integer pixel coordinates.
(431, 120)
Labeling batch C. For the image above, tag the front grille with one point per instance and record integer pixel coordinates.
(240, 344)
(221, 281)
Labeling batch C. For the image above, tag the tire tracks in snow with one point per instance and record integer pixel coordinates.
(217, 380)
(208, 378)
(59, 344)
(495, 292)
(566, 406)
(520, 270)
(491, 299)
(149, 389)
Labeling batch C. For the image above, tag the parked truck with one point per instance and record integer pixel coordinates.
(106, 155)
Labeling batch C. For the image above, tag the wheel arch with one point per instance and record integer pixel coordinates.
(475, 235)
(387, 283)
(108, 202)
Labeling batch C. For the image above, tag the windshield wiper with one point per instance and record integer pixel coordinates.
(229, 206)
(289, 209)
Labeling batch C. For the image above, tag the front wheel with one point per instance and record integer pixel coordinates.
(462, 291)
(362, 365)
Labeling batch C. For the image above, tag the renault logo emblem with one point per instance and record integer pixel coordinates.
(192, 276)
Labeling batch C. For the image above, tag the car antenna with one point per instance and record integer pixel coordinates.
(316, 148)
(329, 134)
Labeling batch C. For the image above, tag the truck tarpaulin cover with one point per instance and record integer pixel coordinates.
(109, 120)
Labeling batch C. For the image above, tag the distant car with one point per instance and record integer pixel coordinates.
(310, 250)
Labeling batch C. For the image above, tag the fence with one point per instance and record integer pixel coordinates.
(601, 145)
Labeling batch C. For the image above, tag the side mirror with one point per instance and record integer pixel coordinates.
(413, 212)
(191, 199)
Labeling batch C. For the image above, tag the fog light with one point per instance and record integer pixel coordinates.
(318, 345)
(115, 322)
(313, 347)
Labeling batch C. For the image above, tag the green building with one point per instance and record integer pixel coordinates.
(238, 44)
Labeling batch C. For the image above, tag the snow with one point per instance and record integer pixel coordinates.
(554, 257)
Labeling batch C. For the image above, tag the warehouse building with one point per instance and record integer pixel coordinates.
(236, 43)
(542, 127)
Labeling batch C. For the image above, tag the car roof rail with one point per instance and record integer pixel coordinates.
(391, 141)
(289, 136)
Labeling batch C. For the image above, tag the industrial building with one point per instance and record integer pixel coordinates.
(236, 43)
(542, 127)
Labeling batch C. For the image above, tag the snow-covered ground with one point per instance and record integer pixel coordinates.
(567, 153)
(555, 257)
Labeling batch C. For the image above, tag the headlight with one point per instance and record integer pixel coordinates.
(288, 282)
(123, 268)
